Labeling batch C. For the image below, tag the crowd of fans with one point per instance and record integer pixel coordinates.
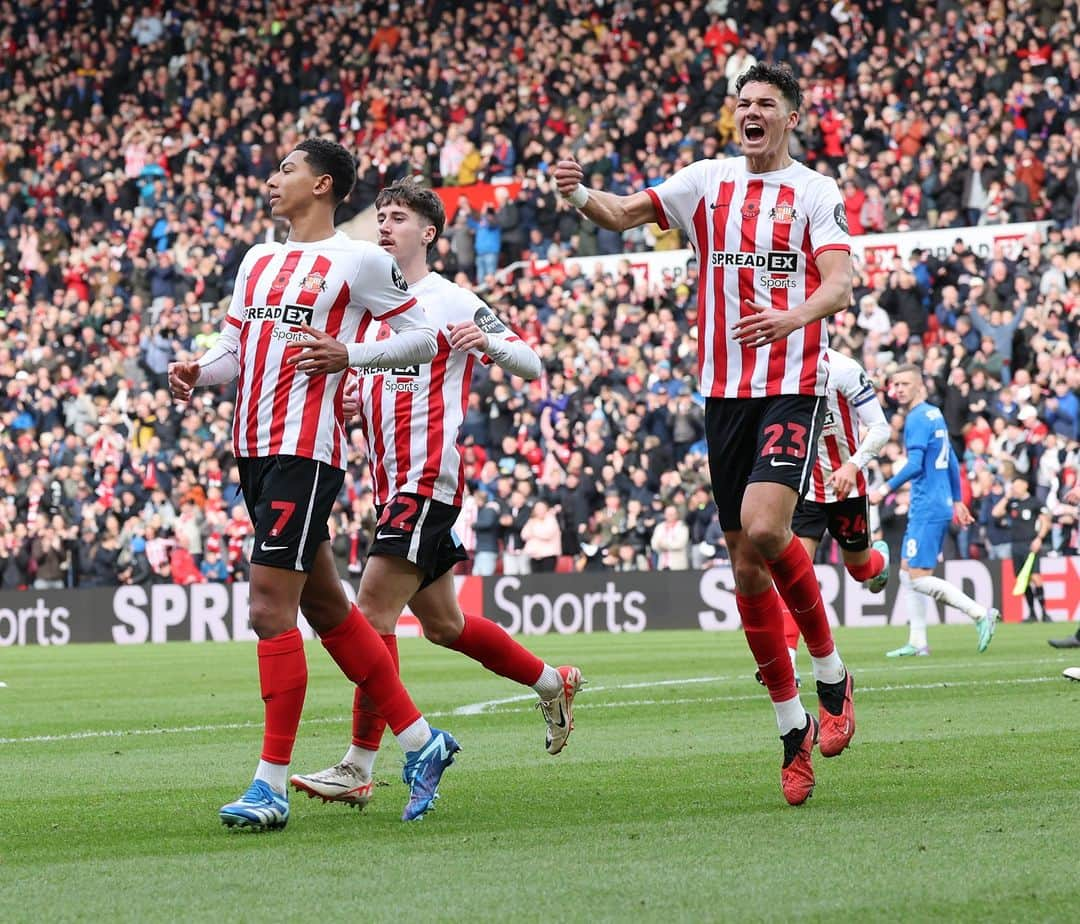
(133, 152)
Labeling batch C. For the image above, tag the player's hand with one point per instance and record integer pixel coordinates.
(843, 480)
(320, 355)
(765, 325)
(467, 336)
(182, 379)
(1073, 495)
(350, 398)
(567, 175)
(962, 514)
(876, 496)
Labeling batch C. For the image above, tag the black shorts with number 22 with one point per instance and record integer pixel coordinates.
(419, 530)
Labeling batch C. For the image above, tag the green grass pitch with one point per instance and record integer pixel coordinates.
(958, 800)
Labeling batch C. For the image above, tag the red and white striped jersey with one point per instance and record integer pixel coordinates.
(411, 416)
(331, 285)
(850, 401)
(757, 239)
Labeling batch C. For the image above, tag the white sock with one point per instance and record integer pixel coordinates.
(944, 592)
(415, 736)
(793, 653)
(276, 776)
(360, 757)
(915, 604)
(790, 714)
(549, 685)
(829, 669)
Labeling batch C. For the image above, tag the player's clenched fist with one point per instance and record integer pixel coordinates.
(182, 379)
(468, 336)
(567, 175)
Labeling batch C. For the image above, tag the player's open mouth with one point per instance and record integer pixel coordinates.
(753, 132)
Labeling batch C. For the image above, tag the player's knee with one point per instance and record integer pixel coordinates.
(443, 629)
(766, 537)
(267, 620)
(382, 618)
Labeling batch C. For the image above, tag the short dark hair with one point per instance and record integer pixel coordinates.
(408, 193)
(333, 159)
(780, 76)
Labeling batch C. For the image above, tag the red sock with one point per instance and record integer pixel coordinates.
(487, 642)
(368, 725)
(365, 660)
(791, 631)
(793, 574)
(872, 567)
(283, 683)
(761, 622)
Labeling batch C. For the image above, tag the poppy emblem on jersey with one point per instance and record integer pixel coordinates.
(313, 282)
(783, 214)
(751, 210)
(281, 280)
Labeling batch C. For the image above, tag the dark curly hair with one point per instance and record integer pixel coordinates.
(331, 158)
(408, 193)
(780, 76)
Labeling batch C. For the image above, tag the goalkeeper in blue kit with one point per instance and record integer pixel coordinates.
(934, 473)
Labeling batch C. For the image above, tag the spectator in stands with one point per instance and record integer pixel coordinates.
(542, 537)
(671, 542)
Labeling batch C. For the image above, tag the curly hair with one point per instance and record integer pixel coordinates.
(331, 158)
(780, 76)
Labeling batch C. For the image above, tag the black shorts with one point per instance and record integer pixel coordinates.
(848, 522)
(289, 500)
(760, 439)
(419, 530)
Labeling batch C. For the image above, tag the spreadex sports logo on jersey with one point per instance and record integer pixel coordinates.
(293, 315)
(776, 264)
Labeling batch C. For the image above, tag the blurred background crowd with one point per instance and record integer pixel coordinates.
(136, 141)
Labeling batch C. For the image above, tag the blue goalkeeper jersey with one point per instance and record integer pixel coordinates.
(931, 466)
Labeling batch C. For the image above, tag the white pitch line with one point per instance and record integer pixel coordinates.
(474, 709)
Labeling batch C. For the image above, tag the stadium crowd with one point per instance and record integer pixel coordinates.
(132, 158)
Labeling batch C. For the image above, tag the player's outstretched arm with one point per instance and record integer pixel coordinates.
(616, 213)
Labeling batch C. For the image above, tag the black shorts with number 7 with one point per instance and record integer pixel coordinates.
(289, 500)
(760, 439)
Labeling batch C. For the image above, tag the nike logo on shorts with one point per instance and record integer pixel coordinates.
(776, 463)
(386, 536)
(272, 548)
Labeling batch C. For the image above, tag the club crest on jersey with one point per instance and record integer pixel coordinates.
(783, 214)
(313, 282)
(751, 210)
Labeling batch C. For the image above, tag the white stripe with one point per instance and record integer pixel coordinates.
(307, 520)
(414, 544)
(814, 438)
(473, 709)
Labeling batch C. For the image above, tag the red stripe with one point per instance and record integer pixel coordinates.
(287, 374)
(661, 218)
(812, 337)
(403, 411)
(235, 322)
(338, 450)
(778, 350)
(720, 218)
(245, 331)
(436, 418)
(841, 247)
(466, 384)
(833, 450)
(316, 390)
(848, 419)
(277, 292)
(405, 306)
(748, 244)
(361, 332)
(377, 443)
(701, 245)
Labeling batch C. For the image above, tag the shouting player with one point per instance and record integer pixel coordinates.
(934, 474)
(411, 417)
(837, 498)
(772, 242)
(316, 288)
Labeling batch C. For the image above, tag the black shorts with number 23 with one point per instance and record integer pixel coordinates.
(760, 439)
